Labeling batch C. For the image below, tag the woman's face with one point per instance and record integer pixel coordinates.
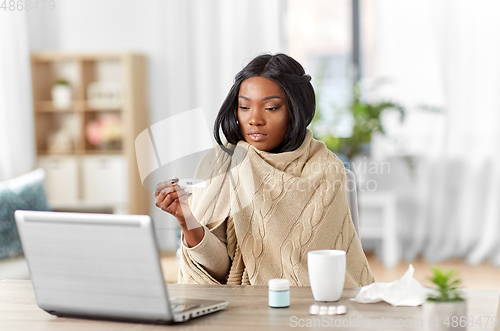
(262, 113)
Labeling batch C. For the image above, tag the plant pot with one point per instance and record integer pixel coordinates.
(61, 96)
(445, 315)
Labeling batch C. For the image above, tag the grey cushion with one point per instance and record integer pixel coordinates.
(26, 193)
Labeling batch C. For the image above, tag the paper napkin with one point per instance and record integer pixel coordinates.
(402, 292)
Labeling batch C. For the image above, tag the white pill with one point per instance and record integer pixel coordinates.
(314, 310)
(341, 310)
(332, 310)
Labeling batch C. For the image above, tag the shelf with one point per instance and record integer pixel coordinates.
(89, 109)
(50, 57)
(62, 144)
(76, 106)
(48, 107)
(103, 152)
(47, 152)
(82, 152)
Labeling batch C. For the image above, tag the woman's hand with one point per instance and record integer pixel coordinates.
(170, 197)
(173, 199)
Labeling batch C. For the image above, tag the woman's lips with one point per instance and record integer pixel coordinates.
(257, 136)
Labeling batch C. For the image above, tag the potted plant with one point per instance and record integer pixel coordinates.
(445, 309)
(61, 94)
(366, 120)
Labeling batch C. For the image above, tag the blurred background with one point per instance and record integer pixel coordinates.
(407, 96)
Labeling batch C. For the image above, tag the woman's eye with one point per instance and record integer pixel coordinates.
(243, 108)
(272, 108)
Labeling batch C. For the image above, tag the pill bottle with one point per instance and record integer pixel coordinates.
(279, 293)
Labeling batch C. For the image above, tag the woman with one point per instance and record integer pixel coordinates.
(273, 194)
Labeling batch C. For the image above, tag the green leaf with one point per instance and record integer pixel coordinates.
(367, 116)
(447, 285)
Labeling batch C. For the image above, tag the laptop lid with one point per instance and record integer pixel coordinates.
(99, 266)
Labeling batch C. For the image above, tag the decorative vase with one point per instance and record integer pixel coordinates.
(61, 96)
(445, 315)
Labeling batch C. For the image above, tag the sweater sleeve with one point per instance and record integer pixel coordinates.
(211, 252)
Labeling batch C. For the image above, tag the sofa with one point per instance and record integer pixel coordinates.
(25, 192)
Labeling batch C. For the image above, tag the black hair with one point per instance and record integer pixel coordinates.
(295, 84)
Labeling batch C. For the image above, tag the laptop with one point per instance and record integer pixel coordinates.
(101, 266)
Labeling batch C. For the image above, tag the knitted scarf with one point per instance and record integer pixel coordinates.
(277, 207)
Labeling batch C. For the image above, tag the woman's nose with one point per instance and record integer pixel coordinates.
(256, 118)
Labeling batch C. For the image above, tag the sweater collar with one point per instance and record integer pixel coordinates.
(280, 160)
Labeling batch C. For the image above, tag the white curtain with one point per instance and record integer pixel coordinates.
(17, 143)
(446, 54)
(207, 42)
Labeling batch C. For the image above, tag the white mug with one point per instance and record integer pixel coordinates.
(326, 274)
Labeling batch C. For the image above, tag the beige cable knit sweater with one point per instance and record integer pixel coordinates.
(262, 213)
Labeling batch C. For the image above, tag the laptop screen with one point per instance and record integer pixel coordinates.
(95, 265)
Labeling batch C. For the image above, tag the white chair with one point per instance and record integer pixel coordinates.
(388, 233)
(380, 223)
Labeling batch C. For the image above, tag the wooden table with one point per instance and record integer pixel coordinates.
(248, 309)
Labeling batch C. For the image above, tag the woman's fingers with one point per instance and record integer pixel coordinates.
(162, 185)
(164, 199)
(169, 196)
(169, 189)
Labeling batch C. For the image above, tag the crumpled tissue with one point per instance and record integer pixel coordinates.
(402, 292)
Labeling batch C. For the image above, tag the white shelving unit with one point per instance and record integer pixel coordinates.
(82, 176)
